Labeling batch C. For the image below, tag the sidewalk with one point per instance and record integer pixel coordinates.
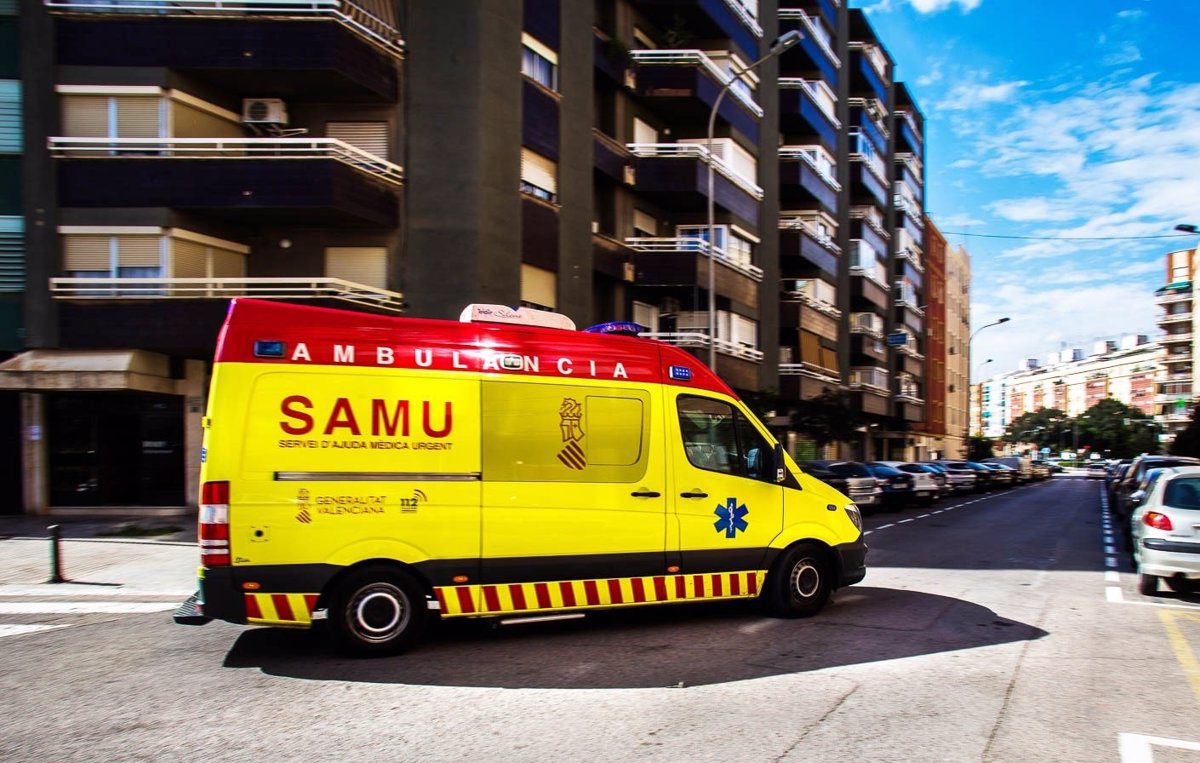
(160, 565)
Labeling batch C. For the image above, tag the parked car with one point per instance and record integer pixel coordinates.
(1166, 538)
(962, 477)
(1041, 470)
(985, 478)
(1005, 476)
(1022, 465)
(853, 479)
(925, 481)
(941, 475)
(1096, 471)
(1121, 506)
(897, 485)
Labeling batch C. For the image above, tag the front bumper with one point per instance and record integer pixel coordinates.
(852, 561)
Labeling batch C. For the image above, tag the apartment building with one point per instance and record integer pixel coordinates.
(412, 157)
(12, 226)
(958, 349)
(1177, 331)
(1073, 381)
(932, 434)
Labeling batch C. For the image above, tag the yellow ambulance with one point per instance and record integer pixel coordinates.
(378, 472)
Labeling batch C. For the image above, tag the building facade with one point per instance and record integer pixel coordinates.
(958, 350)
(411, 157)
(1177, 337)
(1073, 382)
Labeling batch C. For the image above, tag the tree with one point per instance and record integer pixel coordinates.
(1187, 442)
(828, 417)
(1112, 427)
(979, 448)
(1044, 427)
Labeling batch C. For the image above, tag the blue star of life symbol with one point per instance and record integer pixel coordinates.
(731, 518)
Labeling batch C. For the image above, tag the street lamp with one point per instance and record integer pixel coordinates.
(970, 384)
(1188, 228)
(782, 43)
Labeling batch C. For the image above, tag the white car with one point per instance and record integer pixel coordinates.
(1166, 531)
(925, 486)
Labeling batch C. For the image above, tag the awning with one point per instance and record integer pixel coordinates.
(88, 370)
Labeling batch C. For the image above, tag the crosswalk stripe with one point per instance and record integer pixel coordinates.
(82, 607)
(18, 630)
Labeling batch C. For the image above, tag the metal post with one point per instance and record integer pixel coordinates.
(56, 575)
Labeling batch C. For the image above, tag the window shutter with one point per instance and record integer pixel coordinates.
(10, 116)
(539, 286)
(643, 132)
(138, 117)
(539, 171)
(644, 223)
(371, 137)
(227, 264)
(645, 315)
(12, 254)
(85, 116)
(366, 265)
(87, 253)
(139, 252)
(810, 347)
(188, 259)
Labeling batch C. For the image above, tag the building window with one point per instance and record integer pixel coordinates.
(539, 63)
(538, 288)
(125, 256)
(646, 315)
(365, 265)
(371, 137)
(10, 116)
(644, 224)
(539, 175)
(643, 133)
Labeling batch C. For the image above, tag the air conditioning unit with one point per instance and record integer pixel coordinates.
(264, 111)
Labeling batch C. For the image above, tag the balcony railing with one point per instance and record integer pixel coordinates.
(905, 240)
(275, 149)
(694, 57)
(696, 339)
(808, 155)
(676, 244)
(905, 295)
(1169, 318)
(862, 150)
(813, 32)
(225, 288)
(868, 324)
(821, 94)
(742, 12)
(369, 19)
(910, 255)
(1175, 338)
(1167, 398)
(1177, 357)
(875, 56)
(872, 378)
(911, 161)
(871, 216)
(807, 294)
(909, 396)
(1171, 297)
(694, 151)
(864, 262)
(911, 120)
(808, 226)
(810, 370)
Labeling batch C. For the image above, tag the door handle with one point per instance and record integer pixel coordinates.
(645, 494)
(694, 494)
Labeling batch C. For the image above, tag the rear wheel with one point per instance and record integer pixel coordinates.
(801, 582)
(1147, 584)
(377, 611)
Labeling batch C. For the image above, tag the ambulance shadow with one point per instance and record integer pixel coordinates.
(681, 645)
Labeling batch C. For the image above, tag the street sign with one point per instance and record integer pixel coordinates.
(897, 339)
(1181, 404)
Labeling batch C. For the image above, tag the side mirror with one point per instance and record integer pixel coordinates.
(779, 464)
(1137, 497)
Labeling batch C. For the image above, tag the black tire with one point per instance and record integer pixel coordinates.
(376, 611)
(1147, 584)
(1183, 585)
(801, 581)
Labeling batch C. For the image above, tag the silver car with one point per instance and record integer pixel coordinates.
(1166, 530)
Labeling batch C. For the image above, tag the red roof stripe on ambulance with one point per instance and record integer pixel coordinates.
(325, 337)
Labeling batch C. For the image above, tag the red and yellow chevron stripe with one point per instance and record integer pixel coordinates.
(293, 609)
(585, 594)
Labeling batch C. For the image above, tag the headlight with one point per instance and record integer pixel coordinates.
(855, 515)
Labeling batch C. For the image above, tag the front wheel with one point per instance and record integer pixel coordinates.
(377, 611)
(801, 583)
(1147, 584)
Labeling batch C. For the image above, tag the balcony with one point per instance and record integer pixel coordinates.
(686, 84)
(809, 292)
(1173, 358)
(910, 255)
(1169, 319)
(871, 379)
(691, 247)
(184, 315)
(1180, 338)
(815, 47)
(323, 181)
(814, 103)
(903, 201)
(867, 169)
(908, 178)
(809, 370)
(709, 19)
(676, 175)
(323, 48)
(1180, 291)
(864, 261)
(906, 297)
(867, 324)
(800, 240)
(869, 67)
(736, 363)
(612, 158)
(805, 179)
(909, 139)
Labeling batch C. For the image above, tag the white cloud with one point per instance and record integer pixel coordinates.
(973, 92)
(1124, 53)
(935, 6)
(1131, 13)
(961, 164)
(956, 221)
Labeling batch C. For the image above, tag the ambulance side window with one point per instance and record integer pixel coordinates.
(717, 438)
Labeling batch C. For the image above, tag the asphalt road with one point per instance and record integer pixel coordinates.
(988, 628)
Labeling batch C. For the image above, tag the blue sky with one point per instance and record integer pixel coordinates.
(1051, 119)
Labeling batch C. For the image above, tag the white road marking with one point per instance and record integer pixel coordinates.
(884, 527)
(902, 521)
(82, 607)
(70, 589)
(1113, 595)
(868, 532)
(20, 630)
(922, 516)
(1112, 576)
(1137, 748)
(1109, 550)
(1110, 561)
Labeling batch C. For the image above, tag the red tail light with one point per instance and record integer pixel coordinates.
(214, 524)
(1157, 521)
